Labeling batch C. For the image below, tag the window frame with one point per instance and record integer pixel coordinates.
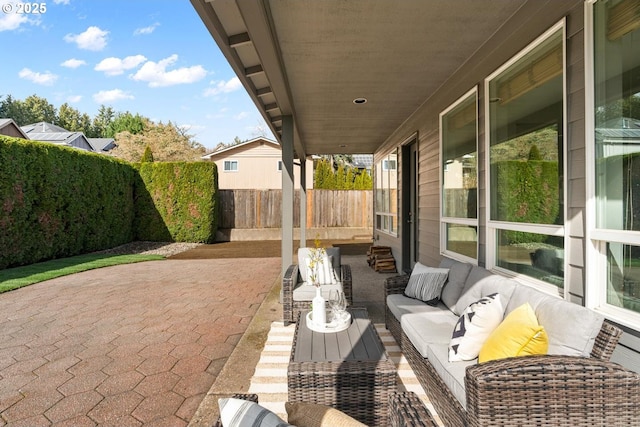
(494, 226)
(596, 269)
(386, 215)
(448, 220)
(230, 162)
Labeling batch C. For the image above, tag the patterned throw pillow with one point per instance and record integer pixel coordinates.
(240, 413)
(426, 283)
(474, 326)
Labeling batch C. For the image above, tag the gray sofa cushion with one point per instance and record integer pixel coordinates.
(400, 305)
(571, 328)
(487, 285)
(422, 323)
(452, 373)
(458, 272)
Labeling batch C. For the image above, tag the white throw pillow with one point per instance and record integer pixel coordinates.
(474, 326)
(425, 283)
(241, 413)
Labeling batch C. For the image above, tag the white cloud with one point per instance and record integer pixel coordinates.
(115, 66)
(241, 115)
(46, 79)
(92, 39)
(221, 86)
(146, 30)
(105, 96)
(73, 63)
(156, 74)
(61, 1)
(74, 98)
(11, 21)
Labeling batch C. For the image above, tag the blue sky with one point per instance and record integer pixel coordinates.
(152, 57)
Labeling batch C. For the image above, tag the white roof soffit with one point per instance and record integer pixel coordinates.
(311, 59)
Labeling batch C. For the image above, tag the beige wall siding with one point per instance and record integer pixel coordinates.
(257, 168)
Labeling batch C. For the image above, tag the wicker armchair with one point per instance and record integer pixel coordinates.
(533, 390)
(292, 279)
(405, 410)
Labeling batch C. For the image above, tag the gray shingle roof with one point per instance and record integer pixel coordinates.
(362, 161)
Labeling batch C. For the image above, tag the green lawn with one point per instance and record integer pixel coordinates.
(13, 278)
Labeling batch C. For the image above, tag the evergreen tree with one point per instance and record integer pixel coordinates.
(38, 109)
(33, 109)
(324, 175)
(102, 121)
(349, 178)
(534, 153)
(341, 178)
(147, 156)
(72, 120)
(363, 181)
(11, 108)
(126, 122)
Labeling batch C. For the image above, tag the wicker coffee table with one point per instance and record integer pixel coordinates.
(347, 370)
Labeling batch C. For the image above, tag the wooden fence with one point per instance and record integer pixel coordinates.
(325, 208)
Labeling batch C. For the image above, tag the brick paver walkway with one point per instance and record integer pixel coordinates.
(131, 345)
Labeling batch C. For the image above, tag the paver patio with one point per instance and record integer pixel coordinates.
(129, 345)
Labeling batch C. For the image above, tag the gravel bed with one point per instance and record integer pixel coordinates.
(165, 249)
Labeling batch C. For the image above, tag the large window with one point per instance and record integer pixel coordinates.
(616, 116)
(525, 105)
(230, 165)
(386, 178)
(459, 148)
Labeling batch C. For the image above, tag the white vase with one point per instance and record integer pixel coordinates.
(319, 312)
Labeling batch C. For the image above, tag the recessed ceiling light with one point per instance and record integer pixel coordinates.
(360, 100)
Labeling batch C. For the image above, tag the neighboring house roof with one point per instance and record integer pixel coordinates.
(47, 132)
(102, 144)
(620, 136)
(231, 148)
(362, 161)
(42, 127)
(10, 128)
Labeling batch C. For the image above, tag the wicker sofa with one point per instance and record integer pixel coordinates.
(561, 388)
(296, 296)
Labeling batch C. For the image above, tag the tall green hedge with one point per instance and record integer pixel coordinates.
(177, 202)
(529, 192)
(59, 201)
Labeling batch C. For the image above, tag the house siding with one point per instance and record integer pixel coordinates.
(257, 168)
(11, 130)
(525, 26)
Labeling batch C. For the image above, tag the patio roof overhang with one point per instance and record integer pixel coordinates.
(311, 59)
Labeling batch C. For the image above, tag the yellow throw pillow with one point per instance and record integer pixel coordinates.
(519, 334)
(313, 415)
